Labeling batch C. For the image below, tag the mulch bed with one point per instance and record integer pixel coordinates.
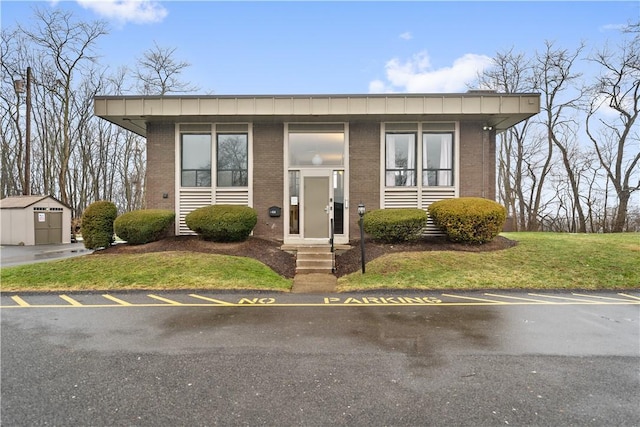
(269, 253)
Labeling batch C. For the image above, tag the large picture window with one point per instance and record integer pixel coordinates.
(437, 159)
(196, 160)
(400, 163)
(232, 160)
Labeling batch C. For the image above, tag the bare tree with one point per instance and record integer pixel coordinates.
(557, 81)
(615, 136)
(158, 72)
(68, 44)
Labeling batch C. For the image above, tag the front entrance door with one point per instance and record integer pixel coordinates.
(316, 207)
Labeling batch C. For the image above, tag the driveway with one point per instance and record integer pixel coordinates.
(17, 255)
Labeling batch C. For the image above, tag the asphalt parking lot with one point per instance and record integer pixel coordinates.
(188, 358)
(17, 255)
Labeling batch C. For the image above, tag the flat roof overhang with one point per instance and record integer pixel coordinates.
(501, 111)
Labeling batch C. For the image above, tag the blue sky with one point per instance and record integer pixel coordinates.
(337, 47)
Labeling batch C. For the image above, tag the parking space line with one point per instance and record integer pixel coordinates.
(585, 301)
(474, 299)
(116, 300)
(20, 301)
(167, 300)
(521, 299)
(630, 296)
(601, 297)
(70, 301)
(217, 301)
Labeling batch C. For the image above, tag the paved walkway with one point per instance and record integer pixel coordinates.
(17, 255)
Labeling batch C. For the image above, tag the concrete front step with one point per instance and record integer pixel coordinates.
(314, 260)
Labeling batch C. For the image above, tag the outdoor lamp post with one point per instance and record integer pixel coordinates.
(361, 211)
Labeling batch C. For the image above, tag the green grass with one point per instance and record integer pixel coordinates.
(163, 270)
(539, 261)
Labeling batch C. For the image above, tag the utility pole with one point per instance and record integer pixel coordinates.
(27, 145)
(19, 87)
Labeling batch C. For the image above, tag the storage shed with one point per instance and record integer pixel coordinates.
(34, 220)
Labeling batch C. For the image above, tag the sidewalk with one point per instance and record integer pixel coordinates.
(17, 255)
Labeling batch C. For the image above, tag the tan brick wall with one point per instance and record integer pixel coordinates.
(268, 178)
(364, 170)
(477, 161)
(160, 166)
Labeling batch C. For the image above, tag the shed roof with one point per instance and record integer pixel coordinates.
(21, 202)
(498, 110)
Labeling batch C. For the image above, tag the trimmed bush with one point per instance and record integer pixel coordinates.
(395, 225)
(144, 226)
(223, 223)
(97, 224)
(471, 220)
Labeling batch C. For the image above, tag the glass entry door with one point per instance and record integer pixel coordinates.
(316, 204)
(316, 207)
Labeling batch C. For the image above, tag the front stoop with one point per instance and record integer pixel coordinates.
(310, 283)
(314, 260)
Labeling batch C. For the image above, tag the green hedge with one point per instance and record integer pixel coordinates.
(395, 225)
(223, 223)
(144, 226)
(470, 220)
(97, 224)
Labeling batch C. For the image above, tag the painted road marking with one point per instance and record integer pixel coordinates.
(71, 301)
(474, 299)
(288, 300)
(630, 296)
(116, 300)
(531, 300)
(598, 297)
(167, 300)
(20, 301)
(565, 298)
(217, 301)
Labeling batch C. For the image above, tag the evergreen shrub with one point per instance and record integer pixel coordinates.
(144, 226)
(395, 225)
(223, 223)
(471, 220)
(97, 224)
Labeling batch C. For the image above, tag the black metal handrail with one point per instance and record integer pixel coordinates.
(333, 256)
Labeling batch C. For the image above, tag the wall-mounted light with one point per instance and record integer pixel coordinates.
(316, 160)
(487, 127)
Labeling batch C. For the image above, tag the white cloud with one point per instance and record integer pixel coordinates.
(416, 75)
(406, 35)
(613, 27)
(123, 11)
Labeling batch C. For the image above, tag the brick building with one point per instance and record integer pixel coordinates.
(305, 162)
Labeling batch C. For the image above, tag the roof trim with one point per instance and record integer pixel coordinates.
(499, 110)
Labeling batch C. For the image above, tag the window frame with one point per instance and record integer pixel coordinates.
(407, 169)
(243, 172)
(450, 170)
(182, 159)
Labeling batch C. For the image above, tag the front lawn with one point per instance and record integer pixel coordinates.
(157, 270)
(539, 261)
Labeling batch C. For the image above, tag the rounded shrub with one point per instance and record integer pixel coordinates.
(223, 223)
(144, 226)
(471, 220)
(395, 225)
(97, 224)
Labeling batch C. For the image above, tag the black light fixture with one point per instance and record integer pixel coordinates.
(487, 127)
(361, 211)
